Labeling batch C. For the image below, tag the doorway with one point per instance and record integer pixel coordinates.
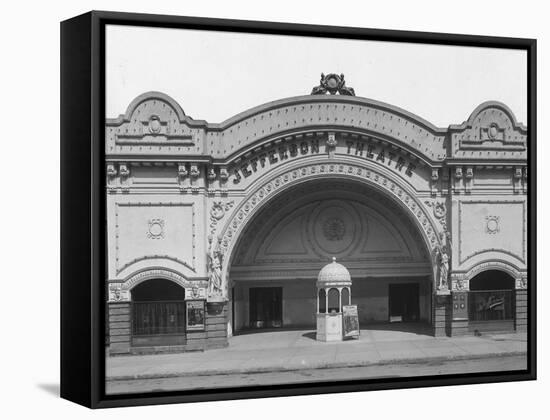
(404, 302)
(266, 307)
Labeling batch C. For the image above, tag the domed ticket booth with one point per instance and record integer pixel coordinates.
(333, 292)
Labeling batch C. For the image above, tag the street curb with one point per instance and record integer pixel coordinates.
(318, 366)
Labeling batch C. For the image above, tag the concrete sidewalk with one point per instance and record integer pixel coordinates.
(294, 350)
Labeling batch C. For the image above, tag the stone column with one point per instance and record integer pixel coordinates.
(521, 304)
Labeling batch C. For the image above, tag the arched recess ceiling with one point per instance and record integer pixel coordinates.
(307, 225)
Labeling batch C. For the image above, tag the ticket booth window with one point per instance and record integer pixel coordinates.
(333, 300)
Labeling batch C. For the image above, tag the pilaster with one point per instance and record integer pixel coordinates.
(442, 315)
(460, 313)
(216, 325)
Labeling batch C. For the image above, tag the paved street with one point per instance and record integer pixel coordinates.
(315, 375)
(295, 356)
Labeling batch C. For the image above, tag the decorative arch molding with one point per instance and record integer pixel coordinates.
(155, 273)
(121, 291)
(153, 257)
(266, 189)
(491, 254)
(461, 281)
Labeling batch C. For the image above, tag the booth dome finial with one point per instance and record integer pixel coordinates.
(334, 273)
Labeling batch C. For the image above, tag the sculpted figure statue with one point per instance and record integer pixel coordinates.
(443, 258)
(215, 282)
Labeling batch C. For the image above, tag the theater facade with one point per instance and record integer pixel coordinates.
(216, 229)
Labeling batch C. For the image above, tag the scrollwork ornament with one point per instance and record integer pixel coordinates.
(117, 293)
(332, 84)
(459, 284)
(439, 208)
(217, 212)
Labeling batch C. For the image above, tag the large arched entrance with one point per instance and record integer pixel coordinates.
(491, 302)
(158, 313)
(276, 260)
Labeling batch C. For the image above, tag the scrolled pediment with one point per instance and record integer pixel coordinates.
(491, 131)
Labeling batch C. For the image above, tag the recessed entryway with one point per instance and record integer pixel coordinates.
(404, 302)
(266, 307)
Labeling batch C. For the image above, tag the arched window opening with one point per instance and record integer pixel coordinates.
(491, 297)
(158, 308)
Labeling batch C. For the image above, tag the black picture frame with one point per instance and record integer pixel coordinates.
(83, 214)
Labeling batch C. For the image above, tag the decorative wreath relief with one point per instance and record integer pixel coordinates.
(156, 229)
(493, 224)
(334, 229)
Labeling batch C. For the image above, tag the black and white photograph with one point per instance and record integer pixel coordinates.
(286, 209)
(275, 210)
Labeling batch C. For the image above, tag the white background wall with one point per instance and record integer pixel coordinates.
(30, 210)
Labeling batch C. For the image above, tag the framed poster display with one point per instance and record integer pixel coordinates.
(195, 315)
(351, 321)
(211, 169)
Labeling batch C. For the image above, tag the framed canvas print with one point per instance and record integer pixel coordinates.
(255, 209)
